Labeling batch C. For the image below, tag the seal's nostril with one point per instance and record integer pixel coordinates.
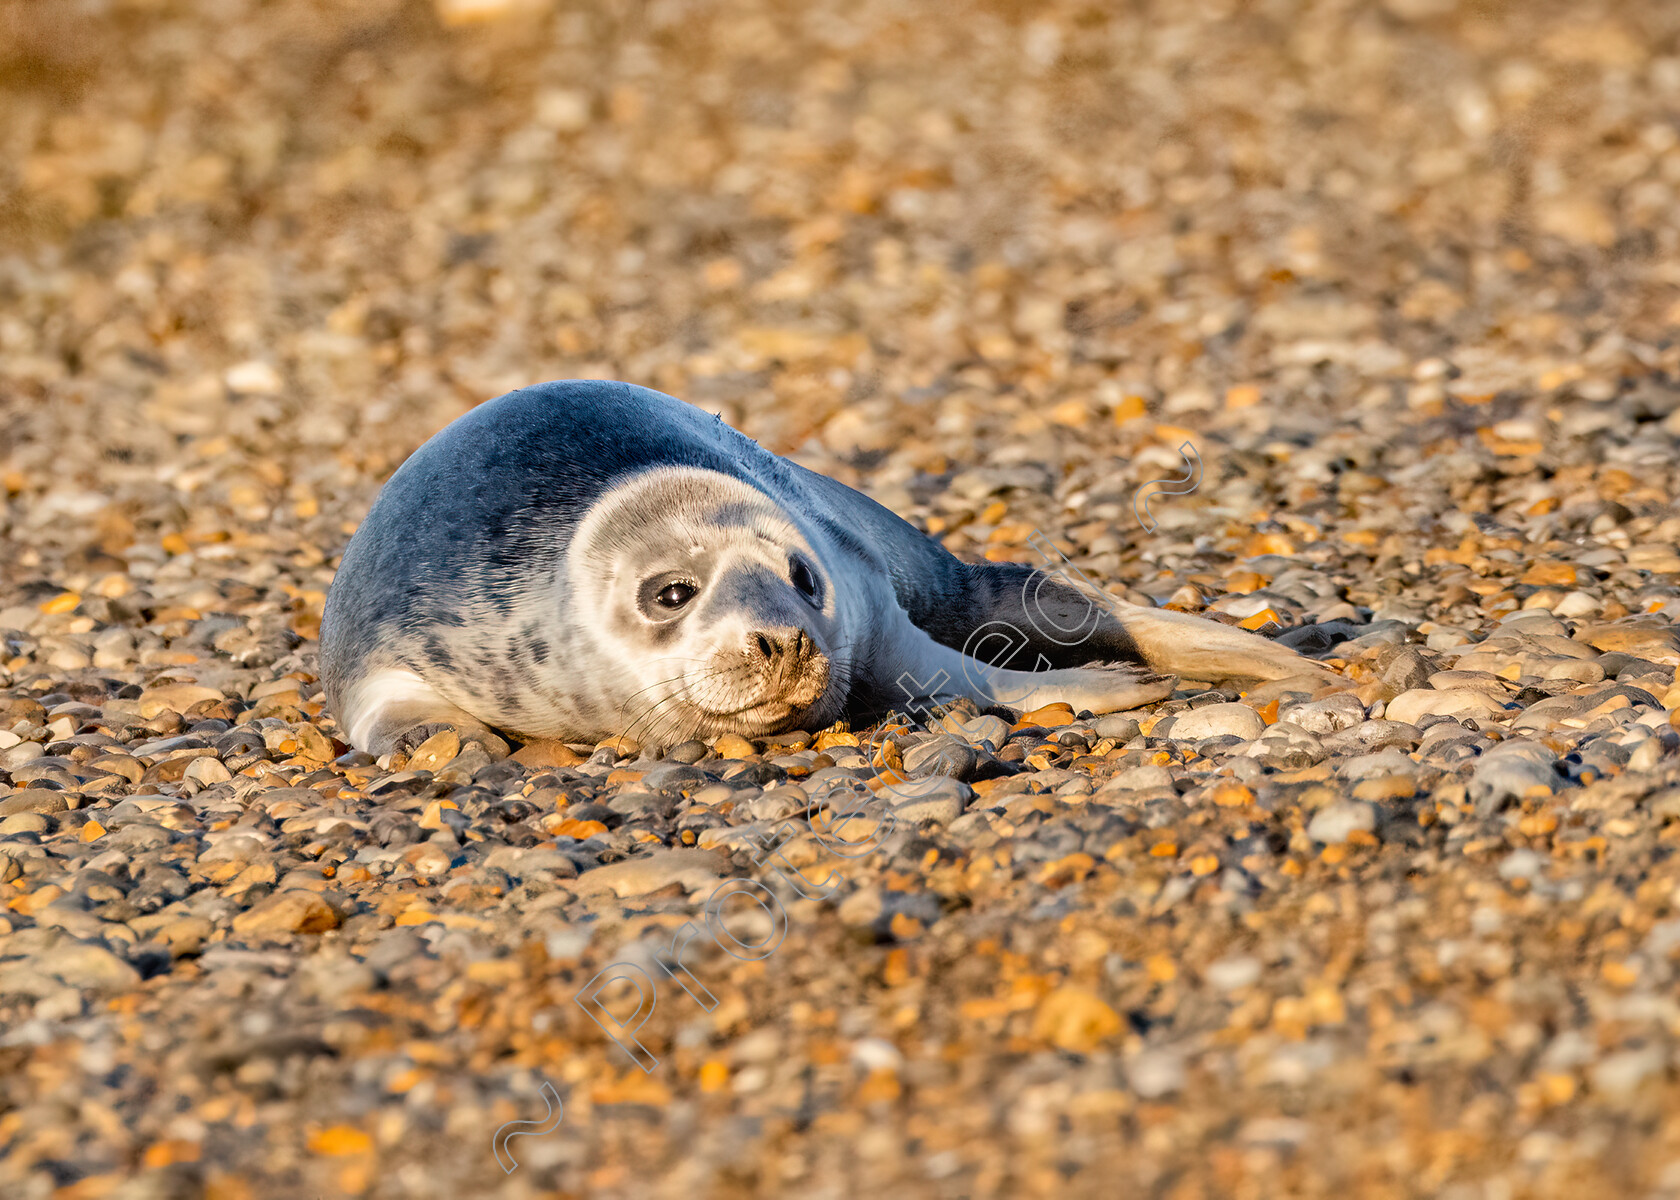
(764, 646)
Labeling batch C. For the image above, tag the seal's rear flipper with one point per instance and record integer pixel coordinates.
(1206, 650)
(1018, 616)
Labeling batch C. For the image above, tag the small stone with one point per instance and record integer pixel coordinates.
(1287, 747)
(33, 800)
(989, 730)
(1117, 728)
(1385, 787)
(937, 798)
(1156, 1073)
(691, 751)
(1218, 720)
(435, 752)
(290, 911)
(1391, 760)
(674, 776)
(1521, 864)
(1409, 707)
(732, 745)
(184, 935)
(1619, 1075)
(89, 966)
(941, 756)
(1330, 715)
(24, 822)
(1233, 972)
(175, 697)
(693, 869)
(876, 1054)
(1146, 777)
(1514, 770)
(1074, 1019)
(1406, 670)
(1048, 717)
(253, 378)
(542, 754)
(863, 907)
(206, 771)
(1340, 819)
(1658, 644)
(314, 745)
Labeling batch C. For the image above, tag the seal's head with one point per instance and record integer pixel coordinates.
(713, 607)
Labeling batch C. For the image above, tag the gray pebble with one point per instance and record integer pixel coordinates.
(1330, 715)
(943, 755)
(1507, 772)
(937, 798)
(34, 800)
(1121, 729)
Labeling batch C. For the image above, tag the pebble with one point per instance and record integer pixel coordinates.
(1410, 707)
(1340, 819)
(33, 800)
(1286, 746)
(1233, 972)
(1115, 728)
(293, 911)
(1330, 715)
(938, 798)
(1514, 771)
(694, 870)
(1218, 720)
(1617, 1076)
(983, 730)
(435, 752)
(1154, 1074)
(948, 756)
(89, 967)
(1143, 778)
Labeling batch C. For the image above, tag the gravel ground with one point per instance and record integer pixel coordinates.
(1407, 274)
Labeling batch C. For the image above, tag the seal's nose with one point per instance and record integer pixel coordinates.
(793, 668)
(781, 647)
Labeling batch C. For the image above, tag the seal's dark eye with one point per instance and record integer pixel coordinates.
(802, 579)
(675, 595)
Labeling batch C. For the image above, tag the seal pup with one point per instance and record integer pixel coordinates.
(583, 558)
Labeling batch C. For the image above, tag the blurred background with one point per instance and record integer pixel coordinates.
(310, 234)
(992, 262)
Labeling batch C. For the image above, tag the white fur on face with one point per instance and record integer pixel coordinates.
(692, 674)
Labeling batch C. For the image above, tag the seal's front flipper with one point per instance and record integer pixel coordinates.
(1097, 688)
(392, 708)
(915, 671)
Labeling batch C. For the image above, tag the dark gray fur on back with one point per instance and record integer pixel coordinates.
(443, 574)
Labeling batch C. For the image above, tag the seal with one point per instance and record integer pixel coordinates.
(580, 559)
